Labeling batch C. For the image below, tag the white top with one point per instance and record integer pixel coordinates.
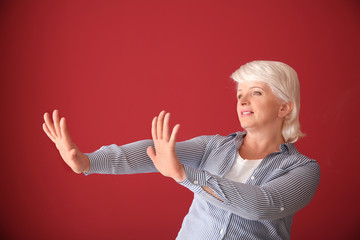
(242, 169)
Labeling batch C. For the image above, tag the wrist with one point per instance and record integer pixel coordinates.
(85, 168)
(87, 165)
(181, 176)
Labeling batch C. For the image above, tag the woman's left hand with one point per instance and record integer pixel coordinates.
(165, 159)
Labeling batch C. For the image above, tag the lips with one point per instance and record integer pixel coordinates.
(246, 113)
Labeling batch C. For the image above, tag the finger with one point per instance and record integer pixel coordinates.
(151, 153)
(56, 119)
(64, 132)
(48, 133)
(153, 128)
(159, 127)
(50, 125)
(166, 131)
(174, 135)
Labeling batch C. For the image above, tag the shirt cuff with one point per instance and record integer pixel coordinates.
(195, 179)
(99, 162)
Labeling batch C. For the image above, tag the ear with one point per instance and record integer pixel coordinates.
(285, 109)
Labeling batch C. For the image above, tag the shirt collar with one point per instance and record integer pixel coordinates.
(288, 147)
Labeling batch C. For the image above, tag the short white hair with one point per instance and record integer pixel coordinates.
(284, 83)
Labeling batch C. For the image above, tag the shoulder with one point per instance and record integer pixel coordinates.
(296, 159)
(214, 141)
(290, 162)
(220, 140)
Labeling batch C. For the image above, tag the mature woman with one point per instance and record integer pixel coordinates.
(247, 185)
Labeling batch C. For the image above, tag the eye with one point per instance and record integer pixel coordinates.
(239, 96)
(257, 93)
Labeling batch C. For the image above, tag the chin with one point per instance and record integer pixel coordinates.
(247, 126)
(244, 126)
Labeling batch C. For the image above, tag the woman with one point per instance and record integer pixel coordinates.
(247, 185)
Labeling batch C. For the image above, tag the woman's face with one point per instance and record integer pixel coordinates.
(258, 108)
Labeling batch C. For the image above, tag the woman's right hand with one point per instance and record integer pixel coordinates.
(57, 131)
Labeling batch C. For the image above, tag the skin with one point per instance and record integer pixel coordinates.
(260, 113)
(165, 159)
(264, 124)
(56, 129)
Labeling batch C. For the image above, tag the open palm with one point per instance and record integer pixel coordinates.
(164, 158)
(56, 130)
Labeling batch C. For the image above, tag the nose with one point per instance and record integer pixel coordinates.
(244, 100)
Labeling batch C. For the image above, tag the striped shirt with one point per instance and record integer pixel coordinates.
(262, 208)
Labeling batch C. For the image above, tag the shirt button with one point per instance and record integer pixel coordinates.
(252, 177)
(221, 231)
(196, 182)
(282, 209)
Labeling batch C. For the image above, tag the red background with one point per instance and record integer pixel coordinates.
(110, 66)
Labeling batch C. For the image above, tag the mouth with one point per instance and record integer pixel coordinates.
(246, 113)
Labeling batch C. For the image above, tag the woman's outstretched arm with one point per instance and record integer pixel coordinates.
(113, 159)
(56, 130)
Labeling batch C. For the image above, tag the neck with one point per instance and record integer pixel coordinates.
(259, 144)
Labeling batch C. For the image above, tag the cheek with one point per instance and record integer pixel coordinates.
(269, 111)
(238, 105)
(273, 111)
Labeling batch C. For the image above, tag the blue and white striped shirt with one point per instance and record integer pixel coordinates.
(262, 208)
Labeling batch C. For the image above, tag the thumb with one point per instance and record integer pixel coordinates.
(151, 153)
(73, 154)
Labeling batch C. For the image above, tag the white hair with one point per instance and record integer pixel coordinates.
(284, 83)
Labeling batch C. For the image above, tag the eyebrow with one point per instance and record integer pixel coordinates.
(252, 88)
